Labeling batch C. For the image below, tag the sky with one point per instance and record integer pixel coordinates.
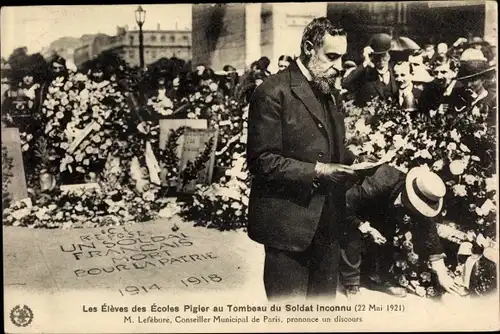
(37, 26)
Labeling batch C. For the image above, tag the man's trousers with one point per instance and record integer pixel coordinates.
(309, 274)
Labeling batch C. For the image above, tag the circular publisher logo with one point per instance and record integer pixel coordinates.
(21, 316)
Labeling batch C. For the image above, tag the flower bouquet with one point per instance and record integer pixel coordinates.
(161, 105)
(222, 205)
(81, 120)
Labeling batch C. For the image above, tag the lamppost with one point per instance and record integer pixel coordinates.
(140, 17)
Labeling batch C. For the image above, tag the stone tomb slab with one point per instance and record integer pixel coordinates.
(17, 186)
(135, 259)
(167, 125)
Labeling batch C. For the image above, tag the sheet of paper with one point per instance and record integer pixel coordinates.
(370, 165)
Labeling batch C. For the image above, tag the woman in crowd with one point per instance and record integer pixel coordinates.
(284, 61)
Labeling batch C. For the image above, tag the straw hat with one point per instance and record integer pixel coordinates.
(424, 192)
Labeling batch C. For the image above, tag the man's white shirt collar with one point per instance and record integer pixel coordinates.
(404, 92)
(450, 87)
(304, 70)
(385, 76)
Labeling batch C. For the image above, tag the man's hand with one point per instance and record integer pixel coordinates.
(366, 158)
(445, 280)
(449, 284)
(376, 236)
(459, 41)
(367, 60)
(336, 173)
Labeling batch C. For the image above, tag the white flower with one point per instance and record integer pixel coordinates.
(236, 205)
(457, 167)
(361, 127)
(96, 138)
(424, 154)
(208, 99)
(84, 94)
(368, 147)
(451, 147)
(79, 156)
(148, 196)
(213, 87)
(488, 206)
(491, 183)
(398, 141)
(166, 112)
(378, 139)
(455, 135)
(464, 148)
(388, 124)
(469, 179)
(420, 290)
(438, 165)
(459, 190)
(475, 111)
(68, 85)
(191, 115)
(60, 115)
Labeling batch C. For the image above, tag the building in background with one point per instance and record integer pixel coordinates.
(157, 44)
(239, 34)
(422, 21)
(65, 47)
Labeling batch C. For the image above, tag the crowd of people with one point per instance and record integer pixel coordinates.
(300, 198)
(302, 191)
(424, 79)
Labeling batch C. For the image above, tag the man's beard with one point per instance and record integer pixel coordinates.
(325, 83)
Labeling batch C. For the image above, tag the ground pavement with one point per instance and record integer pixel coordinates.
(65, 277)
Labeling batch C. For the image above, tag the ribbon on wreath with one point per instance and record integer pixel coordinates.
(80, 135)
(137, 175)
(490, 252)
(153, 165)
(151, 161)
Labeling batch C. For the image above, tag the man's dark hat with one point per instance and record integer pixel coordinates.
(471, 69)
(348, 64)
(476, 41)
(380, 43)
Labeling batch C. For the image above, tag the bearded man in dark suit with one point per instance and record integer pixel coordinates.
(299, 164)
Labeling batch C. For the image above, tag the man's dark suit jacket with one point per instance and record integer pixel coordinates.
(373, 201)
(287, 135)
(433, 96)
(365, 84)
(417, 101)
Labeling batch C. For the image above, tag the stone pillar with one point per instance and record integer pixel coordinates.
(252, 32)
